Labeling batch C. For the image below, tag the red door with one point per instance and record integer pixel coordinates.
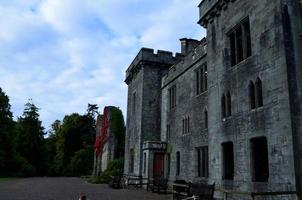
(158, 165)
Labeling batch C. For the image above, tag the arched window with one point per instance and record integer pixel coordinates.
(223, 106)
(206, 119)
(252, 95)
(229, 105)
(259, 93)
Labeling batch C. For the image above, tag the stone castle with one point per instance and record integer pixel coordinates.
(228, 108)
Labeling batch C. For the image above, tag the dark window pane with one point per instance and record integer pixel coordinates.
(252, 95)
(197, 82)
(259, 93)
(260, 159)
(205, 77)
(233, 48)
(228, 161)
(229, 105)
(177, 163)
(239, 46)
(206, 119)
(223, 107)
(246, 27)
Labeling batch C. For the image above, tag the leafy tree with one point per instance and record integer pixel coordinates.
(30, 138)
(81, 162)
(7, 147)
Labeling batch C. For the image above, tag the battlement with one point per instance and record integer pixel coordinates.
(209, 9)
(161, 57)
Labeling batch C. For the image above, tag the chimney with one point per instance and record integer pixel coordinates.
(188, 45)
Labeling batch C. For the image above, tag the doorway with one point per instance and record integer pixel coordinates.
(158, 165)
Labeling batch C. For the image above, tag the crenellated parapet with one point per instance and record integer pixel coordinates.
(146, 55)
(197, 53)
(209, 9)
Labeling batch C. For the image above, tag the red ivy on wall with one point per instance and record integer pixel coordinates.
(104, 132)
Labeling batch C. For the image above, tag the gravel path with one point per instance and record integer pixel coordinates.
(68, 189)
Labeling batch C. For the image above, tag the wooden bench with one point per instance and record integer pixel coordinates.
(132, 180)
(201, 191)
(180, 189)
(158, 185)
(115, 182)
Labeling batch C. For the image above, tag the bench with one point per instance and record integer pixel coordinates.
(201, 191)
(158, 185)
(115, 182)
(132, 180)
(180, 189)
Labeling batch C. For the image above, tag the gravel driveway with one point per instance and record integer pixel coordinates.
(68, 189)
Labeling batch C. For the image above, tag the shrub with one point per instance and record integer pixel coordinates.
(81, 163)
(115, 168)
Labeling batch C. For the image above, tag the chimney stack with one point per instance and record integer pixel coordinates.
(188, 45)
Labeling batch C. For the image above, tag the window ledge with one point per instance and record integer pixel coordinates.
(202, 93)
(234, 67)
(225, 119)
(257, 109)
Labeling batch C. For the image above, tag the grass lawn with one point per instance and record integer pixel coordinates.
(6, 179)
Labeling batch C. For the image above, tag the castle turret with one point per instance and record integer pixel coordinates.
(143, 78)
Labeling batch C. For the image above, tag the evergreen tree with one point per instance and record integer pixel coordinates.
(7, 147)
(30, 138)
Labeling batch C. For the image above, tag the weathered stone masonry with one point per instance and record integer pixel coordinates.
(197, 130)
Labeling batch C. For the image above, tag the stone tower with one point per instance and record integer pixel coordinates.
(143, 78)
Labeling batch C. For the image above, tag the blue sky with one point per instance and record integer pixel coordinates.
(65, 54)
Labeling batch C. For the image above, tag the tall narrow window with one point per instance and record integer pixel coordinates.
(223, 106)
(206, 122)
(259, 92)
(252, 95)
(168, 131)
(229, 105)
(202, 162)
(240, 42)
(197, 76)
(131, 161)
(145, 162)
(134, 102)
(247, 38)
(201, 75)
(172, 96)
(205, 74)
(233, 48)
(185, 125)
(177, 163)
(239, 46)
(228, 161)
(260, 159)
(169, 164)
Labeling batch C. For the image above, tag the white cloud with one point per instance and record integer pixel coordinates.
(67, 53)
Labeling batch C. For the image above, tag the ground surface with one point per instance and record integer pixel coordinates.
(68, 189)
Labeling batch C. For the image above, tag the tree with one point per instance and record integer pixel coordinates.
(89, 127)
(7, 147)
(30, 138)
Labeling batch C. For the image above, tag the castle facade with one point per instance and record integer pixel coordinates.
(228, 108)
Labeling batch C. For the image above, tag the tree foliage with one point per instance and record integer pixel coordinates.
(67, 149)
(30, 138)
(7, 146)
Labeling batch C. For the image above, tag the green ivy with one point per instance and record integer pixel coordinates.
(117, 127)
